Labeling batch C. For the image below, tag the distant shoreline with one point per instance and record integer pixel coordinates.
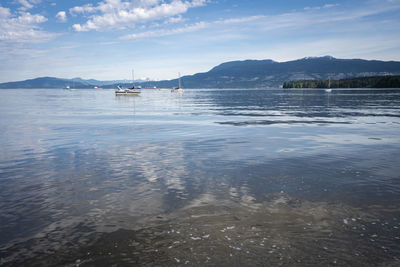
(359, 82)
(248, 74)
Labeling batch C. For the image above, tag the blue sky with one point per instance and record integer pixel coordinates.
(159, 38)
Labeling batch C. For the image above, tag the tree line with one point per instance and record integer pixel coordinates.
(360, 82)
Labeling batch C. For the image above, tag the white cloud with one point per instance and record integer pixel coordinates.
(89, 8)
(22, 27)
(117, 14)
(25, 4)
(61, 16)
(321, 7)
(188, 28)
(28, 4)
(316, 18)
(174, 20)
(240, 20)
(330, 5)
(288, 21)
(312, 8)
(166, 32)
(4, 12)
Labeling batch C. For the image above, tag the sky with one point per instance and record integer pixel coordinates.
(106, 39)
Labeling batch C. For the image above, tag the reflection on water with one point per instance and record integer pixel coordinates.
(287, 177)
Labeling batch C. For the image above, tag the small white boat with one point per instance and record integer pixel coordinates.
(127, 91)
(69, 87)
(178, 89)
(329, 90)
(134, 90)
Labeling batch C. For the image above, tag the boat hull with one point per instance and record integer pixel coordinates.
(126, 93)
(178, 90)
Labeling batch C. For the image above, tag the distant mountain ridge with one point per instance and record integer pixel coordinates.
(244, 74)
(269, 73)
(44, 82)
(54, 83)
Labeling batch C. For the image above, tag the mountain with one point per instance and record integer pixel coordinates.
(269, 73)
(45, 82)
(244, 74)
(59, 83)
(54, 83)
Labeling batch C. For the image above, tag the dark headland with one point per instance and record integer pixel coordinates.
(360, 82)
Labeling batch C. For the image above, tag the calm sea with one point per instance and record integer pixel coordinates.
(207, 177)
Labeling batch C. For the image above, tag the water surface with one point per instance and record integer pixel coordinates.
(215, 177)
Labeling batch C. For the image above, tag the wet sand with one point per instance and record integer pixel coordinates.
(281, 232)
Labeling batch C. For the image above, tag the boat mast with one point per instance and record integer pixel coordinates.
(133, 79)
(179, 80)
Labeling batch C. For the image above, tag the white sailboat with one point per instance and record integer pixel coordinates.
(68, 87)
(178, 89)
(329, 90)
(129, 91)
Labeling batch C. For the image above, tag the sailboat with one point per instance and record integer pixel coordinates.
(134, 90)
(69, 87)
(329, 90)
(178, 89)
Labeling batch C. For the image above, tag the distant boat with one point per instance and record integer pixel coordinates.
(129, 91)
(69, 88)
(329, 90)
(178, 89)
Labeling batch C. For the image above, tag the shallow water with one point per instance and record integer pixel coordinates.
(215, 177)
